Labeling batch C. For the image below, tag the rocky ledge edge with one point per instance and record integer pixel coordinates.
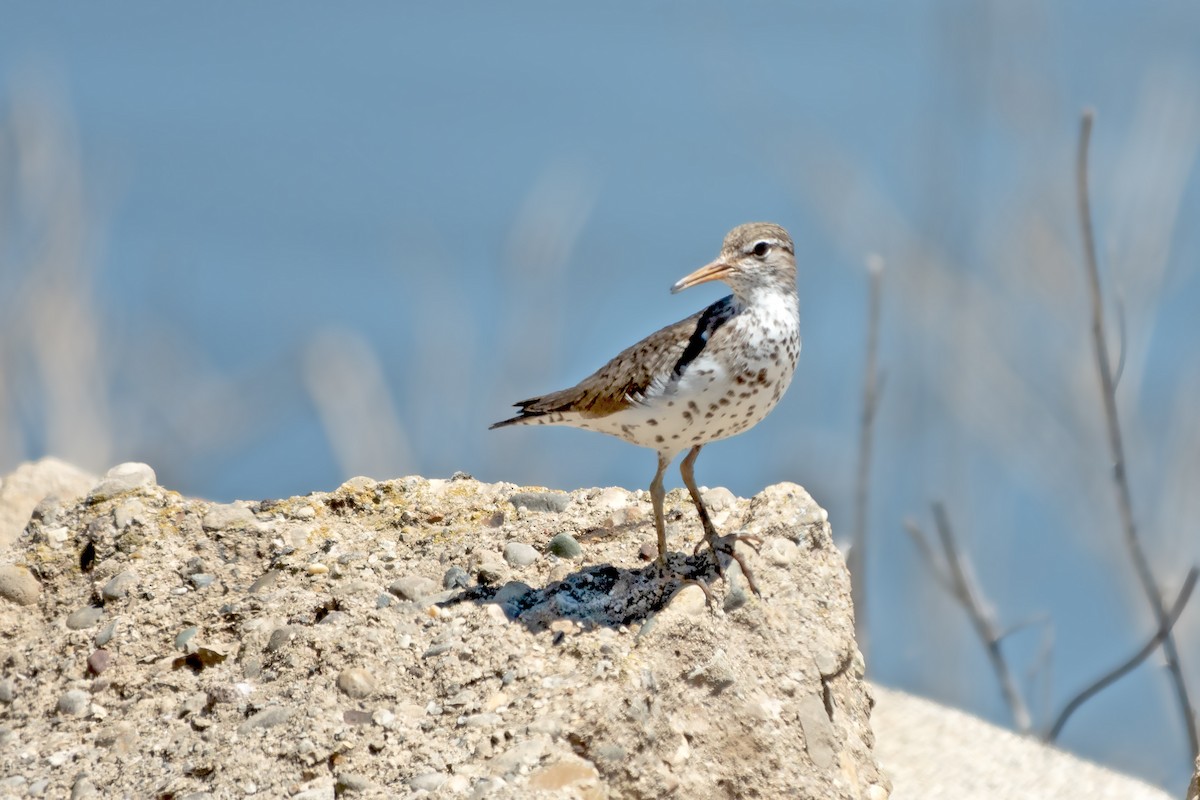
(413, 636)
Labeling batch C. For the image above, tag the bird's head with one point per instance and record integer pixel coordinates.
(755, 256)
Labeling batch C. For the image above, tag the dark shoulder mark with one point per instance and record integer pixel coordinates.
(713, 317)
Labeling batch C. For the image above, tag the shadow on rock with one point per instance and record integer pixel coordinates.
(601, 595)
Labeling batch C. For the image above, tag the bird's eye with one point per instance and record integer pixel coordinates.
(761, 249)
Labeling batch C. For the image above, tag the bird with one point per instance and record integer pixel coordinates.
(708, 377)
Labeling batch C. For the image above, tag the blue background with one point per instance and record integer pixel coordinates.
(265, 247)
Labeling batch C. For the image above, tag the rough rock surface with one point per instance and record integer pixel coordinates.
(933, 752)
(377, 642)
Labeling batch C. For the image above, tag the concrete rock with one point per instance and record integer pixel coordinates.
(514, 676)
(29, 484)
(937, 753)
(121, 479)
(17, 585)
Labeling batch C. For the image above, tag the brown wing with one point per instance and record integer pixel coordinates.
(623, 380)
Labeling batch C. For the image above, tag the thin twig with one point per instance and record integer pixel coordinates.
(937, 565)
(981, 619)
(857, 562)
(1116, 445)
(961, 586)
(1130, 663)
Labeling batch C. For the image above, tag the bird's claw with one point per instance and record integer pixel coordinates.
(716, 544)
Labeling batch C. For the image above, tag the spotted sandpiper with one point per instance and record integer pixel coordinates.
(707, 377)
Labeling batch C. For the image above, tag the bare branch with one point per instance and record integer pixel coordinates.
(961, 586)
(857, 562)
(1122, 339)
(1116, 445)
(1130, 663)
(936, 565)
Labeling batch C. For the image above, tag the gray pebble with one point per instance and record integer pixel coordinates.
(412, 587)
(7, 691)
(106, 633)
(84, 617)
(267, 718)
(184, 636)
(520, 554)
(564, 546)
(264, 582)
(491, 570)
(356, 682)
(353, 782)
(383, 600)
(201, 580)
(119, 586)
(316, 793)
(485, 720)
(125, 514)
(428, 781)
(554, 502)
(37, 787)
(439, 647)
(122, 478)
(280, 637)
(74, 702)
(230, 516)
(512, 590)
(456, 578)
(739, 592)
(17, 585)
(82, 787)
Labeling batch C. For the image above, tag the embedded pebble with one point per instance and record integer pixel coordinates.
(564, 545)
(718, 498)
(106, 633)
(491, 570)
(228, 517)
(73, 702)
(184, 636)
(353, 782)
(265, 581)
(520, 554)
(84, 617)
(17, 585)
(83, 787)
(99, 661)
(127, 513)
(553, 502)
(267, 718)
(427, 781)
(281, 637)
(118, 586)
(412, 587)
(512, 590)
(6, 691)
(456, 578)
(201, 580)
(780, 551)
(121, 479)
(356, 682)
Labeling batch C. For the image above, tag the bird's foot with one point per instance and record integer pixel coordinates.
(728, 545)
(670, 573)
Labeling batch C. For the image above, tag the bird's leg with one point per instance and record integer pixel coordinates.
(711, 538)
(656, 498)
(689, 480)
